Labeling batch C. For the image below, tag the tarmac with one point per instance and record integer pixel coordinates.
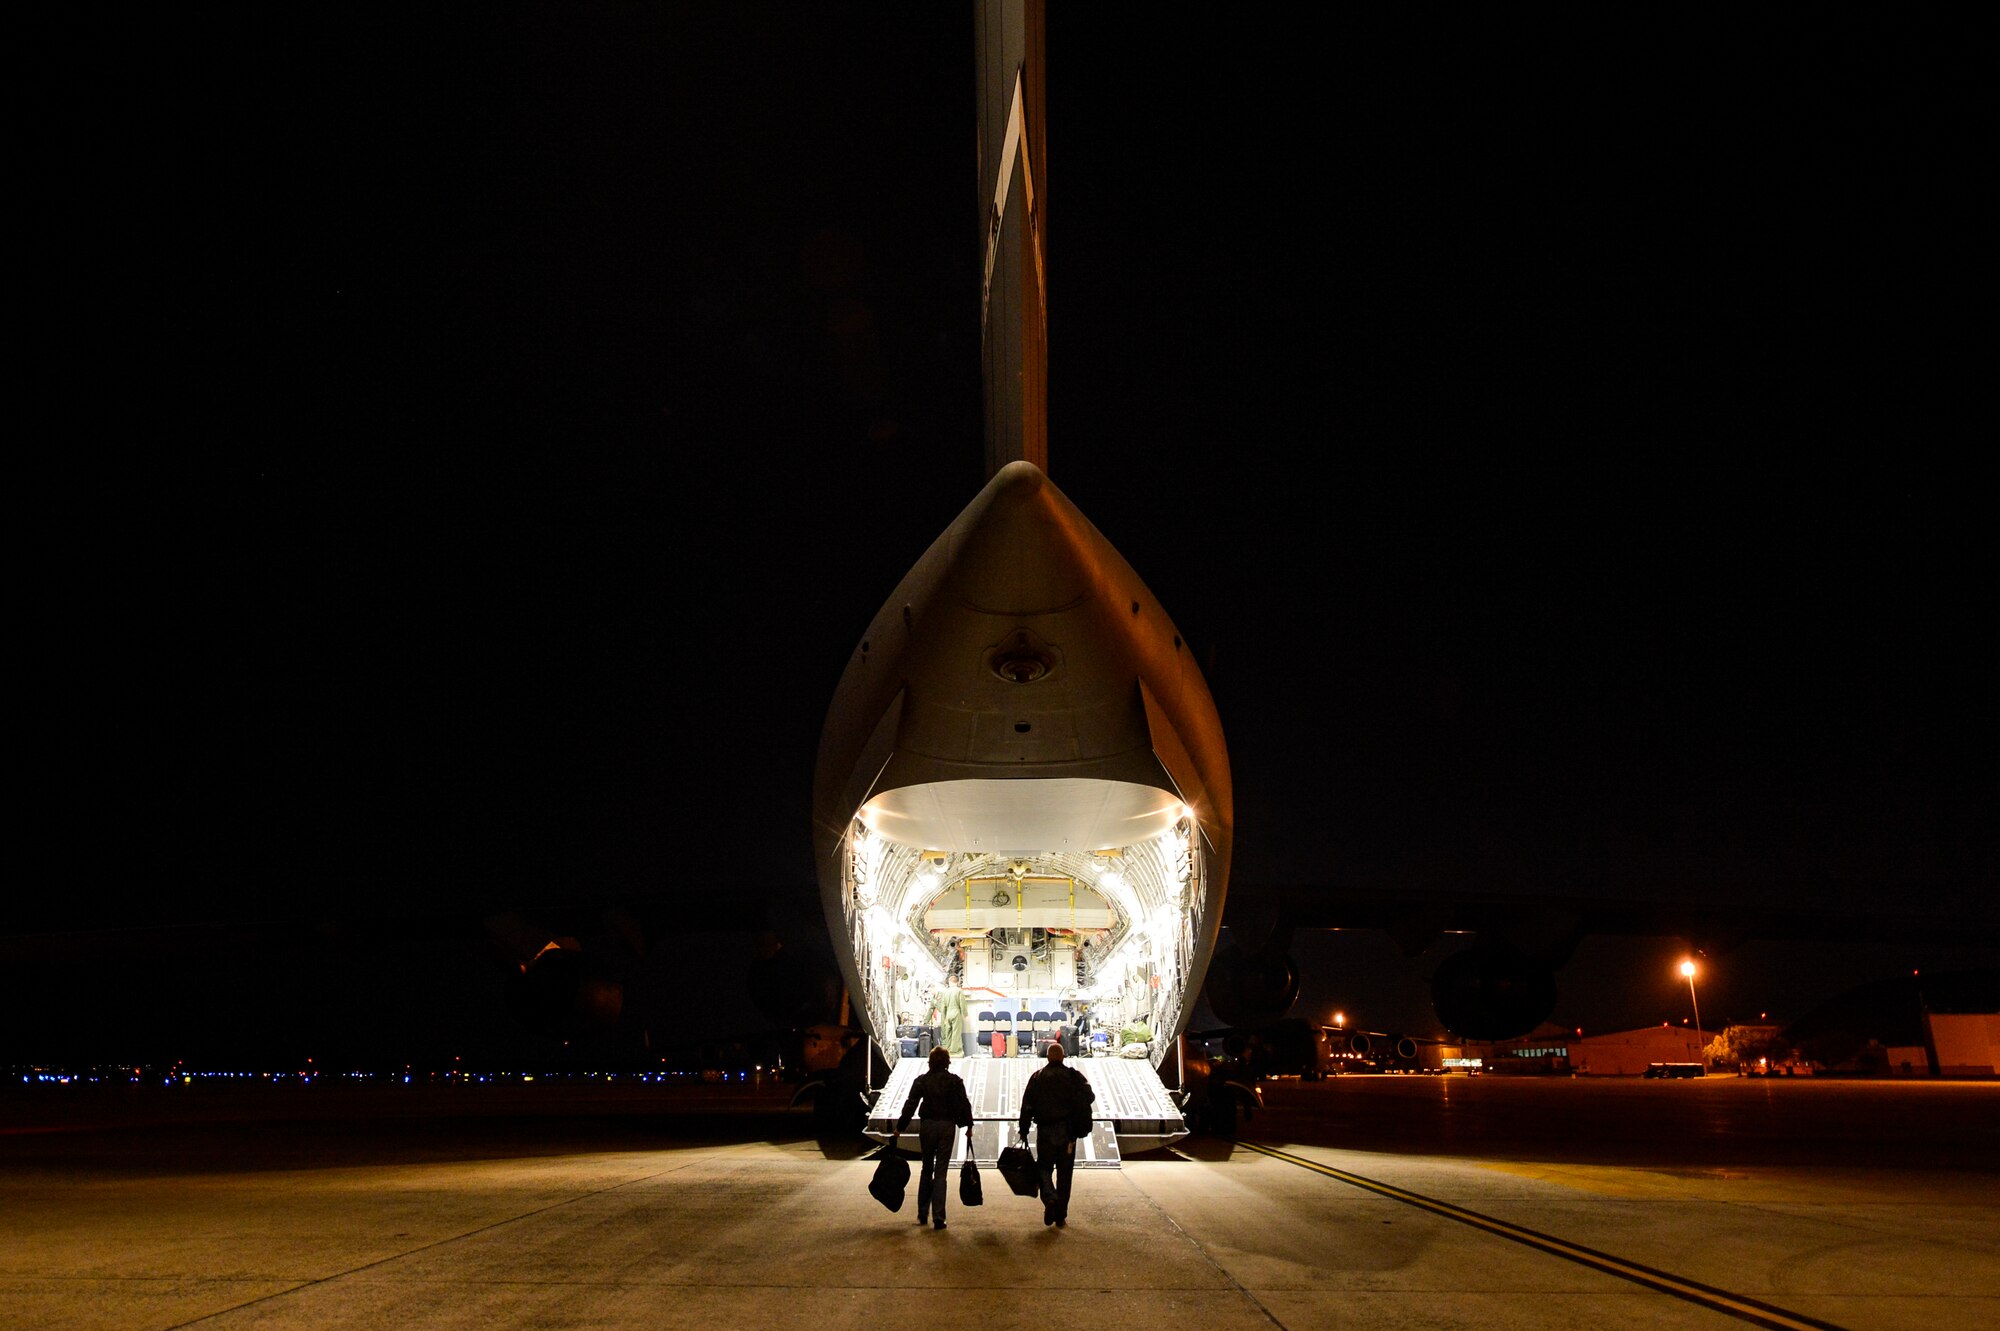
(1383, 1202)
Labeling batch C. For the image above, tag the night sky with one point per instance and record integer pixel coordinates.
(464, 447)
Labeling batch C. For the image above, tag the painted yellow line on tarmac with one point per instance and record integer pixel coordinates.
(1693, 1291)
(1626, 1181)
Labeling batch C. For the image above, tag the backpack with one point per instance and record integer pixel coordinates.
(1081, 1100)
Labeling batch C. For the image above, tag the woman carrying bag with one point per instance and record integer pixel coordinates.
(938, 1100)
(970, 1193)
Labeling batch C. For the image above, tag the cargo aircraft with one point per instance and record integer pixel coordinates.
(1022, 791)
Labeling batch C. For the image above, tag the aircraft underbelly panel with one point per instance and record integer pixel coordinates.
(1022, 817)
(984, 721)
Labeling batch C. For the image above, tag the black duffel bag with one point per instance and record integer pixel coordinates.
(1018, 1168)
(970, 1193)
(892, 1177)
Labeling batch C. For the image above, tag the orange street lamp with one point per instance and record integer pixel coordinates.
(1687, 969)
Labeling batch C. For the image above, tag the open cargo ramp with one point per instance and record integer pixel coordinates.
(1134, 1111)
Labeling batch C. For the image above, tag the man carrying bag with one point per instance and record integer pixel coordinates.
(1057, 1100)
(1018, 1168)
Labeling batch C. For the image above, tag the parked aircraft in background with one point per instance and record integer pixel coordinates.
(1311, 1050)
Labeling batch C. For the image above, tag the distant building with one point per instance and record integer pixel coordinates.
(1630, 1053)
(1964, 1044)
(1914, 1025)
(1907, 1060)
(1558, 1050)
(1953, 1044)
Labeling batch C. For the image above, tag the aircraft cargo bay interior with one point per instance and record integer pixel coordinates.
(995, 954)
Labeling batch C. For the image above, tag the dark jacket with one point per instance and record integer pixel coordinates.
(941, 1095)
(1054, 1094)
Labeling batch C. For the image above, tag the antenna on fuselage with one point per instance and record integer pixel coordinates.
(1013, 306)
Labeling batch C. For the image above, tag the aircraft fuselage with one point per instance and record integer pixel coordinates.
(1022, 783)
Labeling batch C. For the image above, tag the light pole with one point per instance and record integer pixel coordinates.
(1687, 969)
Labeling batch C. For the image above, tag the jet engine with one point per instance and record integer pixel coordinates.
(1251, 986)
(1401, 1047)
(561, 994)
(1214, 1095)
(1492, 991)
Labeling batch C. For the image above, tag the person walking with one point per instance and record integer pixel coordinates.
(938, 1100)
(1057, 1101)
